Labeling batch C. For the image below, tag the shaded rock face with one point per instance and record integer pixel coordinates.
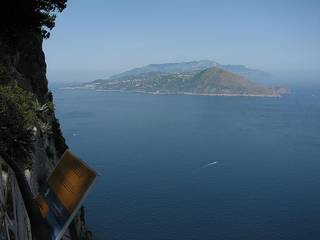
(22, 62)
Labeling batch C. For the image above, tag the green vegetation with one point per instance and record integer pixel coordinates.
(218, 81)
(20, 112)
(20, 15)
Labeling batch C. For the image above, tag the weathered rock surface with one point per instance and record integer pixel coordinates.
(24, 63)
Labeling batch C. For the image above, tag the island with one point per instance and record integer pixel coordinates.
(191, 78)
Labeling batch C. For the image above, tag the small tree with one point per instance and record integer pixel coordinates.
(20, 15)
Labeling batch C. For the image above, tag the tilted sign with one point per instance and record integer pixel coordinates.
(68, 185)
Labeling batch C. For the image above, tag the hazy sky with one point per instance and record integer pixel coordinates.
(101, 37)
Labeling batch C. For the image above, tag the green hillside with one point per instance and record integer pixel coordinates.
(217, 81)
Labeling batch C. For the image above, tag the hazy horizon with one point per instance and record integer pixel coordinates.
(87, 75)
(97, 39)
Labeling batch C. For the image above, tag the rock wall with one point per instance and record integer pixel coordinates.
(23, 63)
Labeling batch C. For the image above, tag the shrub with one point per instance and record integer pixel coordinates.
(20, 112)
(38, 15)
(15, 137)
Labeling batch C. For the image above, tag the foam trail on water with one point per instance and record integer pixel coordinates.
(204, 166)
(209, 164)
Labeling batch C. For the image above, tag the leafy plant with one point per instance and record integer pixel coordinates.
(38, 15)
(15, 137)
(20, 115)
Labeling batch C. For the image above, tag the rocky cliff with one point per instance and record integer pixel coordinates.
(22, 65)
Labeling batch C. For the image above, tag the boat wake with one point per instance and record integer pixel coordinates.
(209, 164)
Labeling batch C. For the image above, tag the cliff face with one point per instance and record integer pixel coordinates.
(23, 63)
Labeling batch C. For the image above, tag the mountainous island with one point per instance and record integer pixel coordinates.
(194, 78)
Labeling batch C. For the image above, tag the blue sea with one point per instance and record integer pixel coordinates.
(153, 154)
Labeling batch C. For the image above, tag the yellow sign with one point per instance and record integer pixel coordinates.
(68, 185)
(70, 180)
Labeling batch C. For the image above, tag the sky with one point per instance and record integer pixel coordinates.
(97, 38)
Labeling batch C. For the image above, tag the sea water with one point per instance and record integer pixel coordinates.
(155, 156)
